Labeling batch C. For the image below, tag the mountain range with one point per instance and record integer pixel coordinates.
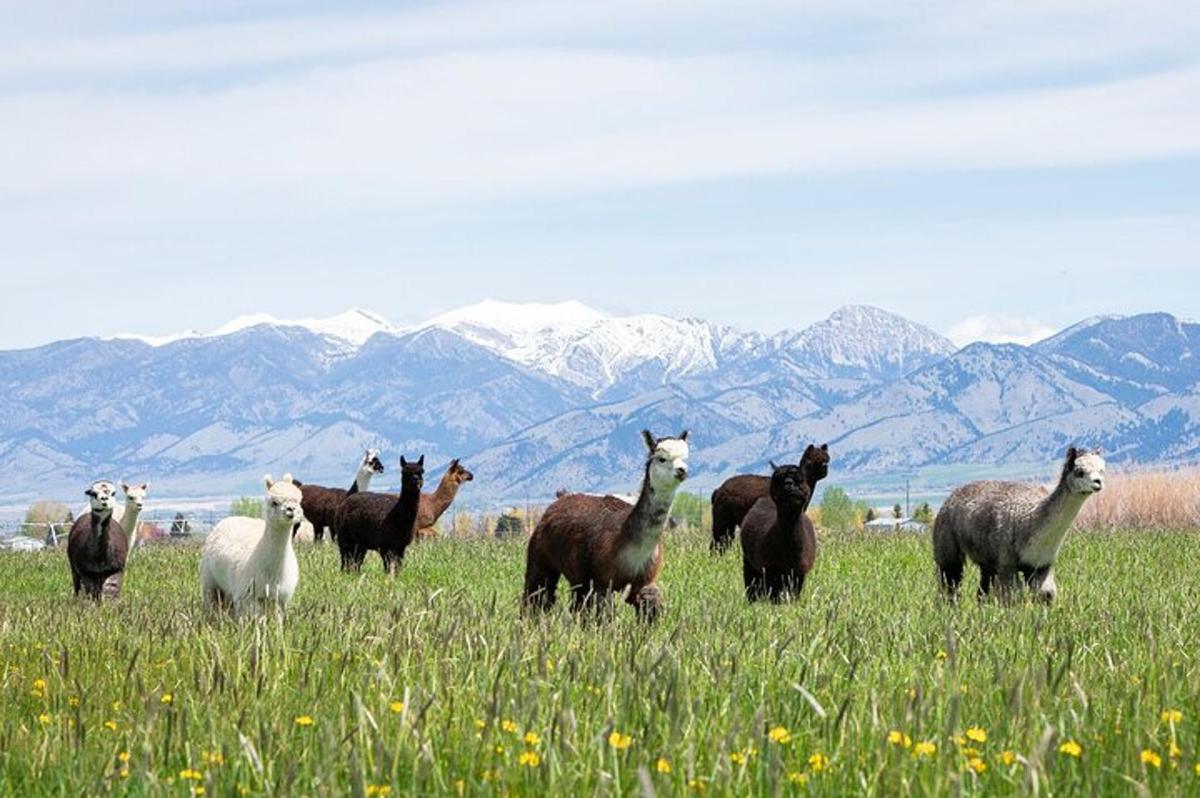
(535, 397)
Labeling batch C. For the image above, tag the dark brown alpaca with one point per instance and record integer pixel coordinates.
(433, 505)
(779, 545)
(97, 546)
(382, 522)
(737, 495)
(320, 504)
(602, 544)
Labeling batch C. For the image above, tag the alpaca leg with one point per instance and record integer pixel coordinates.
(723, 530)
(987, 577)
(391, 561)
(1041, 582)
(647, 602)
(1008, 584)
(949, 558)
(541, 582)
(755, 586)
(75, 580)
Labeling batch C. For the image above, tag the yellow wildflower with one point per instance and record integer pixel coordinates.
(976, 735)
(780, 735)
(39, 684)
(818, 762)
(116, 706)
(198, 789)
(123, 756)
(212, 758)
(941, 654)
(697, 784)
(924, 748)
(529, 759)
(619, 741)
(976, 764)
(499, 749)
(1171, 716)
(508, 726)
(1152, 759)
(1174, 751)
(662, 765)
(479, 724)
(124, 773)
(192, 775)
(379, 789)
(73, 701)
(44, 718)
(796, 777)
(970, 751)
(305, 720)
(167, 698)
(897, 737)
(490, 775)
(1071, 748)
(532, 738)
(737, 758)
(111, 725)
(396, 707)
(549, 663)
(1198, 768)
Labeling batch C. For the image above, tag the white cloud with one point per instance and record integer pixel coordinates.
(999, 329)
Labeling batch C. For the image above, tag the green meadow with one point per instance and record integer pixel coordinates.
(433, 684)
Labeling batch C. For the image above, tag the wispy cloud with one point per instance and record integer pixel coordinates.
(999, 329)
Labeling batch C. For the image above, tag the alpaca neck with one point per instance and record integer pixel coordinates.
(788, 524)
(404, 512)
(277, 536)
(811, 481)
(1051, 522)
(645, 523)
(443, 497)
(362, 482)
(129, 521)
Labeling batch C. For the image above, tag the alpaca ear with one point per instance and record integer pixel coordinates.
(124, 486)
(403, 462)
(286, 478)
(824, 447)
(1072, 453)
(90, 493)
(651, 443)
(683, 435)
(454, 464)
(270, 482)
(421, 460)
(145, 486)
(771, 463)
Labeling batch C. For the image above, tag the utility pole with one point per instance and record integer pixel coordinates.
(907, 511)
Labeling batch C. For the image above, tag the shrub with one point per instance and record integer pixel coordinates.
(248, 506)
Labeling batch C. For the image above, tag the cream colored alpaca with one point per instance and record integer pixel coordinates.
(248, 564)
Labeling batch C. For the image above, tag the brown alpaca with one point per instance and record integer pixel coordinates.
(737, 495)
(382, 522)
(320, 504)
(602, 544)
(97, 546)
(433, 505)
(779, 545)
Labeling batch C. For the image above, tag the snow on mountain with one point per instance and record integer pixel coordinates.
(354, 326)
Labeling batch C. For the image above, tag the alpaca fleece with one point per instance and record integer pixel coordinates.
(779, 544)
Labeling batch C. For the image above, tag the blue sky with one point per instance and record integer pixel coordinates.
(992, 170)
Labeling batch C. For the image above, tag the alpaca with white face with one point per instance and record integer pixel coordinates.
(248, 564)
(1013, 531)
(321, 503)
(97, 546)
(135, 502)
(602, 545)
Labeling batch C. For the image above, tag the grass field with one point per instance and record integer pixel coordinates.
(432, 684)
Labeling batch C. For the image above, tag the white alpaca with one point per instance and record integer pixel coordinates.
(135, 501)
(249, 563)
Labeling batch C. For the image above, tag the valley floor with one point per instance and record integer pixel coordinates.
(433, 684)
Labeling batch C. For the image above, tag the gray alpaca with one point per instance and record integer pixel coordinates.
(1013, 531)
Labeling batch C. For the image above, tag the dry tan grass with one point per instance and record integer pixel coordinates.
(1145, 500)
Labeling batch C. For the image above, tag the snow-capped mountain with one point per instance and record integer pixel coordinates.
(537, 397)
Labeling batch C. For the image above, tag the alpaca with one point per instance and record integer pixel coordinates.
(135, 502)
(779, 545)
(97, 546)
(320, 503)
(248, 564)
(381, 522)
(737, 495)
(1013, 531)
(602, 544)
(433, 505)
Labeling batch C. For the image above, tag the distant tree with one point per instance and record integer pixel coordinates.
(897, 511)
(247, 506)
(509, 525)
(839, 512)
(871, 514)
(924, 513)
(41, 515)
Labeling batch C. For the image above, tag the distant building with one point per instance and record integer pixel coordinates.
(890, 524)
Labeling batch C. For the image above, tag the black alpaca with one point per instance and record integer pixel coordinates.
(779, 544)
(737, 495)
(381, 522)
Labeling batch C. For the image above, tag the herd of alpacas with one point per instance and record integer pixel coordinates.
(601, 545)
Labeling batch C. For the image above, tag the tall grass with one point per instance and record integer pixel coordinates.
(433, 684)
(1145, 500)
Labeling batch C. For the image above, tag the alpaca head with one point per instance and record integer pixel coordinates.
(412, 475)
(282, 504)
(457, 474)
(667, 460)
(102, 495)
(371, 464)
(815, 462)
(1083, 471)
(135, 495)
(788, 487)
